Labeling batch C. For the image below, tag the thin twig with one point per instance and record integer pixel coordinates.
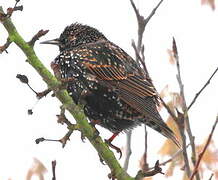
(145, 165)
(153, 12)
(204, 150)
(176, 154)
(173, 156)
(10, 11)
(37, 36)
(172, 114)
(181, 124)
(142, 22)
(204, 86)
(211, 176)
(53, 163)
(183, 117)
(140, 60)
(128, 150)
(5, 46)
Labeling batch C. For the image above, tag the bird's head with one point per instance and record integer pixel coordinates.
(76, 34)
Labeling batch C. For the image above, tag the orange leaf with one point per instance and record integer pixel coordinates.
(169, 148)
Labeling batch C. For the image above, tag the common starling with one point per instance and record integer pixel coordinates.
(107, 81)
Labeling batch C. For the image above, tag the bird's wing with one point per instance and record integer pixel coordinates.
(116, 69)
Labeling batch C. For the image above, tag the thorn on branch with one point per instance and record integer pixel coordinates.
(24, 79)
(157, 169)
(71, 127)
(37, 36)
(42, 94)
(63, 140)
(5, 46)
(10, 11)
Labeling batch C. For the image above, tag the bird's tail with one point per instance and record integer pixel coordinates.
(160, 126)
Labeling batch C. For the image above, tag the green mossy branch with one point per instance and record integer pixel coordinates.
(66, 100)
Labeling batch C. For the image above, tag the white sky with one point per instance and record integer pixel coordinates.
(195, 29)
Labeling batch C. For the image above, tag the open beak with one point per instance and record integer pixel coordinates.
(53, 41)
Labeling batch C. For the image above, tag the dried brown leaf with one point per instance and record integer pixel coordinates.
(169, 171)
(211, 3)
(171, 57)
(169, 148)
(165, 91)
(37, 169)
(176, 100)
(210, 157)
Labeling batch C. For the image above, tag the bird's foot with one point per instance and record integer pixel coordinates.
(118, 150)
(108, 141)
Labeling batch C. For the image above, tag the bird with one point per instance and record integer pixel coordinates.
(108, 82)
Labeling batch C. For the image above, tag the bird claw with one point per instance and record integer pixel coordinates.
(101, 160)
(108, 142)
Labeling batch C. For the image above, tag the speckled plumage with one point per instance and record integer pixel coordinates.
(107, 81)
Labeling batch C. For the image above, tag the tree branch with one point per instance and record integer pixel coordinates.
(204, 150)
(66, 100)
(204, 86)
(128, 150)
(37, 36)
(172, 157)
(157, 169)
(142, 22)
(183, 118)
